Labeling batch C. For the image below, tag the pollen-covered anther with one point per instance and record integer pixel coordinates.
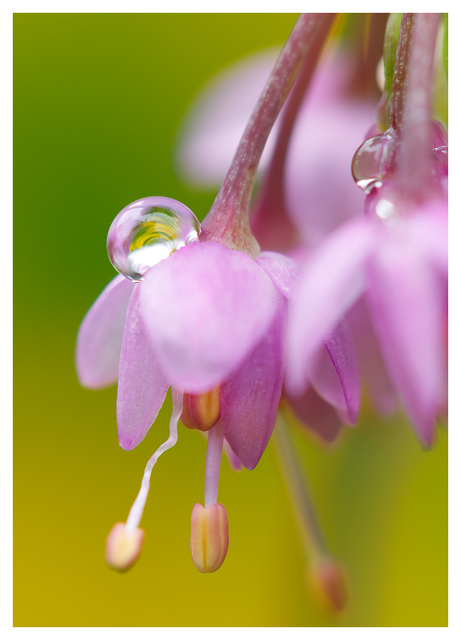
(123, 547)
(201, 411)
(329, 580)
(209, 538)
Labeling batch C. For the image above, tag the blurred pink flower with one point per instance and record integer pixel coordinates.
(398, 257)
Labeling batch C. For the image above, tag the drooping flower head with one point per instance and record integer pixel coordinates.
(193, 310)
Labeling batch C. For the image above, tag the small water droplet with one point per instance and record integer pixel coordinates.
(148, 231)
(372, 160)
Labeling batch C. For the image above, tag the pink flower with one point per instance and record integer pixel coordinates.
(204, 317)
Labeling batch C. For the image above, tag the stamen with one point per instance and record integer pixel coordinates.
(137, 509)
(213, 464)
(325, 572)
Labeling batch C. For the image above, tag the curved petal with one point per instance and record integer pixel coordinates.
(142, 386)
(317, 415)
(371, 365)
(210, 135)
(205, 308)
(336, 373)
(250, 397)
(100, 335)
(283, 271)
(407, 302)
(333, 278)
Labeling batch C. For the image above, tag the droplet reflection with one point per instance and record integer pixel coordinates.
(371, 162)
(148, 231)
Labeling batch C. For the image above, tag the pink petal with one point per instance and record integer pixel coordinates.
(283, 272)
(408, 305)
(317, 415)
(429, 230)
(100, 335)
(333, 278)
(250, 397)
(371, 365)
(336, 374)
(218, 118)
(142, 386)
(205, 308)
(320, 191)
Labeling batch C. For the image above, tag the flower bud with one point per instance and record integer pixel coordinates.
(329, 580)
(209, 538)
(123, 548)
(201, 411)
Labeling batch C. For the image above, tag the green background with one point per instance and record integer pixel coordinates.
(97, 102)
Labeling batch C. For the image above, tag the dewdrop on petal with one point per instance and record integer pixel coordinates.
(209, 538)
(329, 580)
(123, 548)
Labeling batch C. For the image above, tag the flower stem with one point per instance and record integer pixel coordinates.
(301, 501)
(414, 160)
(400, 71)
(270, 222)
(228, 219)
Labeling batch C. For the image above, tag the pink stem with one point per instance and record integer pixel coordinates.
(270, 222)
(400, 71)
(228, 220)
(414, 158)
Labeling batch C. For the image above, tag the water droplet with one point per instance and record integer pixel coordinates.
(372, 161)
(148, 231)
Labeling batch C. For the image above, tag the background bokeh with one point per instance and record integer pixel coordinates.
(98, 99)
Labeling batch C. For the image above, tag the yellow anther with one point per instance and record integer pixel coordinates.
(209, 538)
(201, 411)
(122, 548)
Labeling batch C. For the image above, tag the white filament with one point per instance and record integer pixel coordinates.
(135, 515)
(213, 464)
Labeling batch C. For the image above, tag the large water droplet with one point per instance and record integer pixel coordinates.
(148, 231)
(372, 161)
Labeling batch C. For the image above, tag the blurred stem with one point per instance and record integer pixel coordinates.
(414, 160)
(228, 220)
(299, 495)
(270, 222)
